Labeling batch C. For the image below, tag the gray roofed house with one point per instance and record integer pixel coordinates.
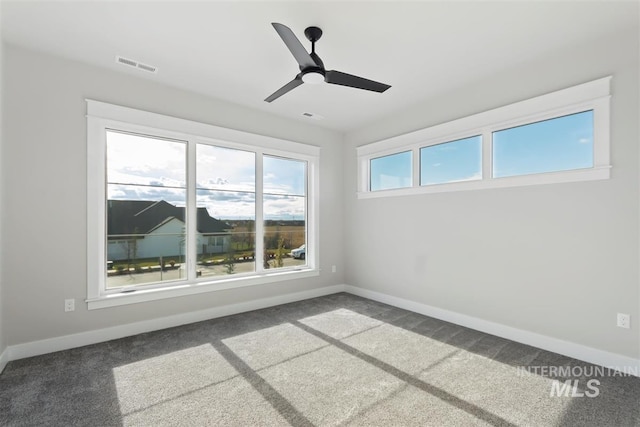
(147, 229)
(143, 216)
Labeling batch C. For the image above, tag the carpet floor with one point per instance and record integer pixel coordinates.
(334, 360)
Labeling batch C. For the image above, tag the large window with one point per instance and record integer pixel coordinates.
(146, 196)
(559, 137)
(177, 207)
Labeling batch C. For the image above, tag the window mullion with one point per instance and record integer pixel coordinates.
(487, 154)
(192, 226)
(259, 223)
(416, 167)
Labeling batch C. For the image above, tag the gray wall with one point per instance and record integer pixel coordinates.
(44, 205)
(3, 344)
(559, 260)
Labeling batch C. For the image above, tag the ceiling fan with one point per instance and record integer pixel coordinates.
(311, 66)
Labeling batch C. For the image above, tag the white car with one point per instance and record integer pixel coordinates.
(299, 253)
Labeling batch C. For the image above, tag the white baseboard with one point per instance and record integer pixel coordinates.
(4, 359)
(66, 342)
(577, 351)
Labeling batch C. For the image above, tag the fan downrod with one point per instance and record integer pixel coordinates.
(313, 34)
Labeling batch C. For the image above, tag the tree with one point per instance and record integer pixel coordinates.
(249, 238)
(230, 257)
(230, 261)
(280, 253)
(266, 264)
(131, 249)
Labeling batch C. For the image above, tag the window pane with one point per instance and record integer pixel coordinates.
(226, 232)
(225, 169)
(284, 176)
(559, 144)
(454, 161)
(226, 203)
(285, 212)
(392, 171)
(146, 197)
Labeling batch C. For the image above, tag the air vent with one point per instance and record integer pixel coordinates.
(312, 116)
(125, 61)
(136, 64)
(148, 68)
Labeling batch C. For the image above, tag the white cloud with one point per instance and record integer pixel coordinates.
(152, 167)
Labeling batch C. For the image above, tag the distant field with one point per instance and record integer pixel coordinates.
(294, 235)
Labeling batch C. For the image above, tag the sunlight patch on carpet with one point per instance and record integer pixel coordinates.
(400, 348)
(498, 387)
(340, 323)
(329, 385)
(270, 346)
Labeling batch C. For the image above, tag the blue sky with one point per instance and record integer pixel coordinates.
(459, 160)
(394, 171)
(559, 144)
(552, 145)
(145, 168)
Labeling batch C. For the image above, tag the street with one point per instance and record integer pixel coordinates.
(179, 273)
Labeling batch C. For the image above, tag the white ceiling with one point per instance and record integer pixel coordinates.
(229, 50)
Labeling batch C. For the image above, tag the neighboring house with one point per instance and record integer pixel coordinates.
(148, 229)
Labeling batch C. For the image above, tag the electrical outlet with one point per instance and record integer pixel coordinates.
(69, 305)
(333, 269)
(624, 320)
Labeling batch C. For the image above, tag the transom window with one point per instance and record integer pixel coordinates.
(559, 137)
(559, 144)
(174, 211)
(453, 161)
(392, 171)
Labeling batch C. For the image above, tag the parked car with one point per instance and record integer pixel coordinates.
(299, 253)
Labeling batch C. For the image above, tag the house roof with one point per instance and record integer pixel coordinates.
(143, 216)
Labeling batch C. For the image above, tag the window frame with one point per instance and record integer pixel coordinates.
(101, 117)
(594, 95)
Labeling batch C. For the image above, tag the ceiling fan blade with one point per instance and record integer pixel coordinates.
(284, 89)
(299, 52)
(344, 79)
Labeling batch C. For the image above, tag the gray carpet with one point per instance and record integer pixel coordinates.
(335, 360)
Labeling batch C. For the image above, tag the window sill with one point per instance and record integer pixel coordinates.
(193, 288)
(591, 174)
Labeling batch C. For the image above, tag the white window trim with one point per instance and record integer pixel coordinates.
(594, 95)
(102, 116)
